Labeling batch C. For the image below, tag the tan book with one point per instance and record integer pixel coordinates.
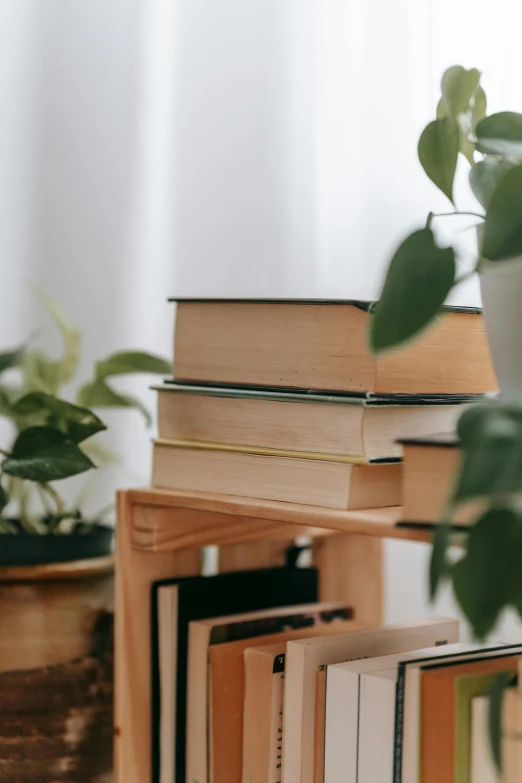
(303, 659)
(264, 668)
(324, 345)
(214, 631)
(354, 425)
(331, 484)
(430, 468)
(227, 693)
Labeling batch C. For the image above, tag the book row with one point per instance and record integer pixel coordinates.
(257, 682)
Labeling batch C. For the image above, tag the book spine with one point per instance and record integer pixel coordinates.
(399, 726)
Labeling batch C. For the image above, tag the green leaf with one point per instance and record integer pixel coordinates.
(438, 563)
(503, 225)
(4, 500)
(40, 372)
(496, 699)
(458, 87)
(501, 134)
(479, 108)
(126, 362)
(419, 278)
(67, 366)
(100, 395)
(76, 422)
(492, 465)
(485, 176)
(10, 359)
(464, 123)
(43, 454)
(438, 151)
(487, 579)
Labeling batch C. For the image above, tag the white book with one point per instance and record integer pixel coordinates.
(482, 766)
(344, 700)
(407, 741)
(303, 659)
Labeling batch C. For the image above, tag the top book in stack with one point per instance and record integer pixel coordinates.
(322, 345)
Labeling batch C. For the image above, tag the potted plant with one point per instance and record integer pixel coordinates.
(486, 578)
(422, 272)
(56, 580)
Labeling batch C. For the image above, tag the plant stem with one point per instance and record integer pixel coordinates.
(60, 505)
(5, 453)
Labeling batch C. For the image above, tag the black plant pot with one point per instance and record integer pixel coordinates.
(23, 548)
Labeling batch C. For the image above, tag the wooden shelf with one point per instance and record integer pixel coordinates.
(160, 535)
(166, 520)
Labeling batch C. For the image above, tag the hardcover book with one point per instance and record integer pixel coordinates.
(330, 483)
(317, 344)
(363, 427)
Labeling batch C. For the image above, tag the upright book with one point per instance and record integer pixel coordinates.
(313, 344)
(175, 603)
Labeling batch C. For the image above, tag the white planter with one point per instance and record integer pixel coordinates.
(501, 287)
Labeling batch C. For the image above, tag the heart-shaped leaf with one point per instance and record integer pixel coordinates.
(492, 463)
(482, 588)
(43, 454)
(465, 125)
(100, 395)
(438, 563)
(126, 362)
(479, 108)
(458, 87)
(438, 152)
(485, 176)
(77, 423)
(419, 278)
(12, 358)
(67, 365)
(501, 134)
(503, 225)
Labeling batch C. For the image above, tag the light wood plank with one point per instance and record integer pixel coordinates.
(381, 522)
(160, 528)
(135, 572)
(351, 570)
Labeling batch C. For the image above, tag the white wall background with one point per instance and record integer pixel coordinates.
(212, 147)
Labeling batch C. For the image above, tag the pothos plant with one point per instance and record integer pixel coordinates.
(52, 437)
(487, 578)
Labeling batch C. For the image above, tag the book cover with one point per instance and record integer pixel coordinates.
(200, 597)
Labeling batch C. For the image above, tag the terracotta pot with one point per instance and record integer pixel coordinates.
(56, 679)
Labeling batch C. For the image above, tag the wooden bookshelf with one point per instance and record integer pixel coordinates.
(160, 535)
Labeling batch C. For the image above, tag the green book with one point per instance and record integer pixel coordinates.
(467, 688)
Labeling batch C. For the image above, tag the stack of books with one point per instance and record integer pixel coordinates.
(282, 401)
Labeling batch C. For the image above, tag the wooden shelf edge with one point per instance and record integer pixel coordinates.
(380, 522)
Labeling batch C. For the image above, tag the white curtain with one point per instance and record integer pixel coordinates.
(222, 147)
